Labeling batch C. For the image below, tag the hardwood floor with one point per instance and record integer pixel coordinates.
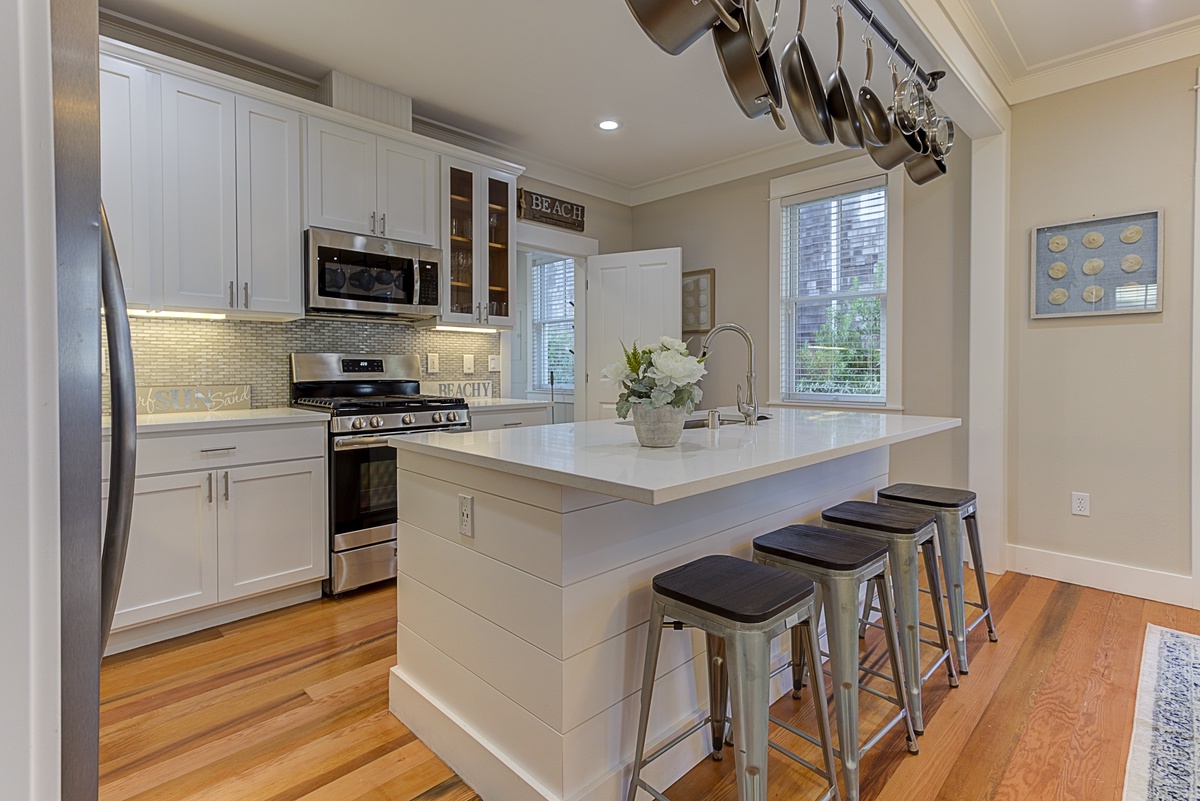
(292, 706)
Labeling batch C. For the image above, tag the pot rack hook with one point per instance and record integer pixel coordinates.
(866, 37)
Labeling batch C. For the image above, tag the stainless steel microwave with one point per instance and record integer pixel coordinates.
(357, 274)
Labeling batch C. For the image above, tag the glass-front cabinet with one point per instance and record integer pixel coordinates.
(480, 208)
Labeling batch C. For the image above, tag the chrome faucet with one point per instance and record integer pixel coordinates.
(749, 406)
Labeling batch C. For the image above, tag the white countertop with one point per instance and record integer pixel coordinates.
(183, 421)
(505, 404)
(604, 456)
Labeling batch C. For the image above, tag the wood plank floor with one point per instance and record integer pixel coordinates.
(292, 706)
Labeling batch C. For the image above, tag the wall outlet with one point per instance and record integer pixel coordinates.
(432, 361)
(468, 362)
(493, 363)
(466, 515)
(1081, 504)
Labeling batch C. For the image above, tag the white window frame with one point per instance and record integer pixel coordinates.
(822, 179)
(533, 387)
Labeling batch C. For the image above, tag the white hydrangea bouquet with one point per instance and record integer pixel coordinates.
(664, 374)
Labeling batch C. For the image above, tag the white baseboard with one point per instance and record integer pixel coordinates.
(1154, 585)
(158, 630)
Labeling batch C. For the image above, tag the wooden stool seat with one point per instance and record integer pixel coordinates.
(732, 588)
(874, 517)
(821, 547)
(942, 497)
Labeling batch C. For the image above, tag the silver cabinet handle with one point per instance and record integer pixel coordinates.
(372, 222)
(246, 294)
(210, 487)
(478, 313)
(487, 317)
(514, 425)
(226, 485)
(219, 450)
(383, 224)
(232, 302)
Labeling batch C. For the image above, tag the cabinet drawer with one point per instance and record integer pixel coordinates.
(209, 450)
(486, 421)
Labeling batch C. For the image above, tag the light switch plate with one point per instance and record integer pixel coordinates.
(433, 363)
(493, 363)
(468, 362)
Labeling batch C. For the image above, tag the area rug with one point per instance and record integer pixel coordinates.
(1164, 753)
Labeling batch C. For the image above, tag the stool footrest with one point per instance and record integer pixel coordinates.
(796, 757)
(659, 796)
(937, 663)
(877, 736)
(674, 742)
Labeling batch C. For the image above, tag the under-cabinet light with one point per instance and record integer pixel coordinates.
(176, 315)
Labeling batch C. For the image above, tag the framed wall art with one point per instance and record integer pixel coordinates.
(1098, 266)
(699, 301)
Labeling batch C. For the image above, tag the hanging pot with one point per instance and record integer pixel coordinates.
(843, 108)
(909, 104)
(876, 127)
(802, 85)
(752, 78)
(902, 146)
(674, 25)
(924, 169)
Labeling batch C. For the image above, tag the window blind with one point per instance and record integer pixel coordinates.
(833, 290)
(553, 323)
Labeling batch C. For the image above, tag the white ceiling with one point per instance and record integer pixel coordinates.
(536, 75)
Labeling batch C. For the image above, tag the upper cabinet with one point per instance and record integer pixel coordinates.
(368, 184)
(478, 258)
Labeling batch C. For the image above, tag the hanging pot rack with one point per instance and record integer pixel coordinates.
(930, 79)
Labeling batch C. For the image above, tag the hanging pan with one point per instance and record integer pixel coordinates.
(803, 88)
(752, 77)
(876, 128)
(843, 108)
(902, 147)
(674, 25)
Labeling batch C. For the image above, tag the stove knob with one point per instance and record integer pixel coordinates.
(408, 419)
(376, 422)
(452, 417)
(437, 417)
(358, 423)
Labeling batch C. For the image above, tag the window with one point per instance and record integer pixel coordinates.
(832, 292)
(553, 323)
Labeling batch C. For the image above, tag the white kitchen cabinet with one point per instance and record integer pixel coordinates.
(129, 174)
(368, 184)
(478, 256)
(491, 418)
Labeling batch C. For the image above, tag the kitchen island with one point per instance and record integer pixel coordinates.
(525, 558)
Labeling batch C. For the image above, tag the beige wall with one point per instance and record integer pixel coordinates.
(726, 227)
(608, 222)
(1102, 405)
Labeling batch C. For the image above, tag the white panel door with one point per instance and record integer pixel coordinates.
(408, 192)
(268, 208)
(341, 177)
(171, 564)
(272, 530)
(129, 176)
(631, 297)
(199, 195)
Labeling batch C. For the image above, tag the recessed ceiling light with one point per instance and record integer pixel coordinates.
(609, 125)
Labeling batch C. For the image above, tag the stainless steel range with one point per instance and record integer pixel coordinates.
(371, 397)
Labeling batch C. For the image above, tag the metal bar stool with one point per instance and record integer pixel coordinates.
(841, 563)
(955, 511)
(904, 531)
(742, 606)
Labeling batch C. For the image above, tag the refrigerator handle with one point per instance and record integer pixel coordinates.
(124, 430)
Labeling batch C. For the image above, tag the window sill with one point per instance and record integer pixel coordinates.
(843, 407)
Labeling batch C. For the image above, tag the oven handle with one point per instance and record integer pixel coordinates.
(357, 442)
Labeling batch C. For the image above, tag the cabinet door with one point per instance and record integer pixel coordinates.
(492, 419)
(460, 226)
(341, 177)
(268, 208)
(199, 195)
(171, 564)
(129, 176)
(272, 526)
(408, 192)
(498, 257)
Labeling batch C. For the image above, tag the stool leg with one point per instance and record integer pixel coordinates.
(950, 538)
(718, 692)
(841, 622)
(749, 686)
(980, 574)
(893, 649)
(903, 564)
(798, 660)
(939, 611)
(809, 646)
(653, 637)
(868, 602)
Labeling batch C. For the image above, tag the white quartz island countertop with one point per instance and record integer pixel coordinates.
(603, 456)
(227, 418)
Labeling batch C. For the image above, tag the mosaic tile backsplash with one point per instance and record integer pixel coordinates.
(184, 352)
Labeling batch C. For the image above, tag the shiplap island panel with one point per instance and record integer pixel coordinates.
(520, 645)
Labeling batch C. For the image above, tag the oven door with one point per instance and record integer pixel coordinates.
(362, 491)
